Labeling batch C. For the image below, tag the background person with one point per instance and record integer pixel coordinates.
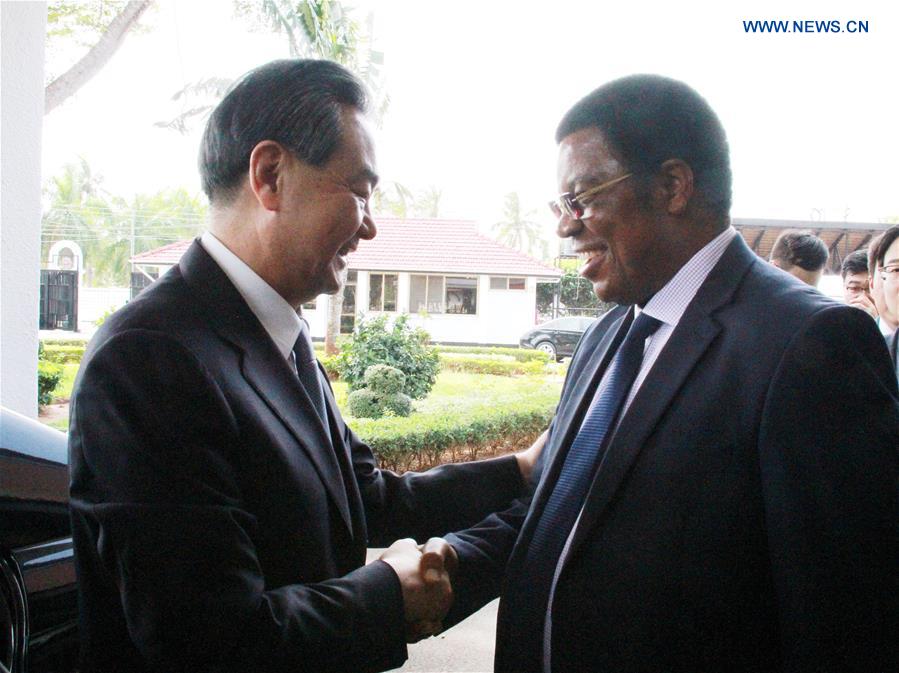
(856, 282)
(887, 321)
(801, 254)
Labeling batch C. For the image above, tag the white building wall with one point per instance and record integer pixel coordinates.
(93, 302)
(22, 30)
(501, 318)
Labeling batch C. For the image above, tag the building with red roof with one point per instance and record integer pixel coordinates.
(461, 286)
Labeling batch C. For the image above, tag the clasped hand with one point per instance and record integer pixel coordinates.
(425, 573)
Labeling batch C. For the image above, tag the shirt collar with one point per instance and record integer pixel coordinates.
(278, 318)
(670, 303)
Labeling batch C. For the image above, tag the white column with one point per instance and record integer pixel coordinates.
(22, 29)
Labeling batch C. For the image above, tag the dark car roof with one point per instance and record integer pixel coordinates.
(26, 436)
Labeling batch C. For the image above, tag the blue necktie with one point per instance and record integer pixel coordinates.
(567, 498)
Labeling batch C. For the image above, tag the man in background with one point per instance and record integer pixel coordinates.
(887, 321)
(856, 282)
(886, 256)
(801, 254)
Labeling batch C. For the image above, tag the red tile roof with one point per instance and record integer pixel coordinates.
(417, 245)
(167, 254)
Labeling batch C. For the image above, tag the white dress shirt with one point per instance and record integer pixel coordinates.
(280, 319)
(668, 306)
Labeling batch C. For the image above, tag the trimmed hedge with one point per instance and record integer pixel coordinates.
(422, 441)
(63, 354)
(482, 365)
(48, 377)
(519, 354)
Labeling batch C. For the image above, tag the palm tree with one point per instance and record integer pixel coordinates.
(515, 229)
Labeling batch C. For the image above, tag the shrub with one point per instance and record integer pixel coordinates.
(364, 403)
(401, 346)
(383, 395)
(103, 316)
(397, 404)
(384, 379)
(63, 354)
(519, 354)
(423, 441)
(476, 365)
(331, 363)
(48, 378)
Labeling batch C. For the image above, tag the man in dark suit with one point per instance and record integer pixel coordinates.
(886, 262)
(719, 487)
(221, 508)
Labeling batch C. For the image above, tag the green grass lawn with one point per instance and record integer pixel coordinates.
(64, 390)
(454, 393)
(461, 392)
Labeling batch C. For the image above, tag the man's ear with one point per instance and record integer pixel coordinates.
(268, 162)
(677, 181)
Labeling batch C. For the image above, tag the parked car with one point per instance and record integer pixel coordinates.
(558, 337)
(38, 604)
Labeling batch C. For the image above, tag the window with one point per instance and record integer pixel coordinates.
(348, 313)
(382, 291)
(444, 294)
(507, 283)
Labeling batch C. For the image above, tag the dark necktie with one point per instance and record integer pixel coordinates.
(567, 498)
(307, 371)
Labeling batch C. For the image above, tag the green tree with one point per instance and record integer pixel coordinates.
(516, 229)
(101, 27)
(574, 292)
(397, 200)
(111, 229)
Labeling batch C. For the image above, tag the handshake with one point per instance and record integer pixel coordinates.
(425, 573)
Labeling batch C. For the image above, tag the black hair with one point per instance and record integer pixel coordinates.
(855, 263)
(883, 244)
(294, 102)
(649, 119)
(800, 247)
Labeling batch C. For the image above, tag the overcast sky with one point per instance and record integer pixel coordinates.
(477, 88)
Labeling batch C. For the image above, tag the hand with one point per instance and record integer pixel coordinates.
(425, 582)
(528, 458)
(865, 303)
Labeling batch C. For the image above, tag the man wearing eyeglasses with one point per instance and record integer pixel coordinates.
(886, 257)
(887, 321)
(718, 490)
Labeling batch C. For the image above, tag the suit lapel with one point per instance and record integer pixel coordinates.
(264, 369)
(693, 335)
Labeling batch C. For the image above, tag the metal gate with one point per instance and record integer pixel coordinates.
(138, 282)
(59, 300)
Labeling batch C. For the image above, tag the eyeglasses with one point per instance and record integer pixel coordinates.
(890, 274)
(573, 204)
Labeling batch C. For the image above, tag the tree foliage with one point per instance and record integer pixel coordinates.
(575, 292)
(518, 230)
(110, 229)
(101, 27)
(397, 200)
(376, 342)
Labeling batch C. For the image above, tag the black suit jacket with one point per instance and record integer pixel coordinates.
(214, 526)
(894, 350)
(745, 516)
